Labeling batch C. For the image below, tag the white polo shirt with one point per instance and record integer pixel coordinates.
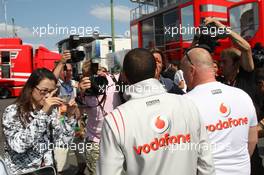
(228, 113)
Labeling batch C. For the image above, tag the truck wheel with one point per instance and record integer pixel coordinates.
(4, 93)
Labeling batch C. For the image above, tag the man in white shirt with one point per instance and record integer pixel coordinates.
(228, 114)
(154, 132)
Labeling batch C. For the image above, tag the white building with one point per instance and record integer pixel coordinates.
(96, 47)
(101, 48)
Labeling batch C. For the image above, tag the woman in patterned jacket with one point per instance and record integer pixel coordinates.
(32, 124)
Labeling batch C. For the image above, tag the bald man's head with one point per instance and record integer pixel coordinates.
(197, 66)
(200, 57)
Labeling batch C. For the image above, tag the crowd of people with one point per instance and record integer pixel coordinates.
(152, 118)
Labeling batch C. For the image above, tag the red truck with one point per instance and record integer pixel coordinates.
(17, 63)
(151, 20)
(247, 19)
(152, 23)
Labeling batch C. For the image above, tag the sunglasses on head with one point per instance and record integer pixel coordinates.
(187, 55)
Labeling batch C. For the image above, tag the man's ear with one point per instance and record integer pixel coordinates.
(124, 78)
(157, 73)
(192, 70)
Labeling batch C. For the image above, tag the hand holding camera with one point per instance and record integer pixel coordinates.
(85, 84)
(66, 56)
(51, 101)
(217, 23)
(210, 31)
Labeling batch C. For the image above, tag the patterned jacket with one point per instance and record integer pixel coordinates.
(29, 147)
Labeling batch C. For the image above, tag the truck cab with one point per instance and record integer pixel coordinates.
(17, 63)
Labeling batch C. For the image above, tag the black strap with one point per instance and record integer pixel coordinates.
(63, 84)
(99, 102)
(102, 106)
(52, 151)
(120, 93)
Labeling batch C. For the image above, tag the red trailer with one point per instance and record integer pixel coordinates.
(247, 19)
(151, 20)
(17, 63)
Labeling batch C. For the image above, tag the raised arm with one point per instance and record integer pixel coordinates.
(246, 61)
(65, 56)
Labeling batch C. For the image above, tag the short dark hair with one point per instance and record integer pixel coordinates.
(232, 53)
(139, 64)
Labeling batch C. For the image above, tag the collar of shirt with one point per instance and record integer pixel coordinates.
(144, 88)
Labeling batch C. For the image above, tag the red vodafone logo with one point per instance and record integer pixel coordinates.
(160, 124)
(228, 122)
(224, 110)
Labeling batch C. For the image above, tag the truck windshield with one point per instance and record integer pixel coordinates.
(244, 19)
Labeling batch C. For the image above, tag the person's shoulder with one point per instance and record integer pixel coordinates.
(232, 89)
(10, 112)
(181, 100)
(224, 88)
(203, 91)
(193, 93)
(11, 108)
(185, 99)
(74, 82)
(166, 79)
(115, 120)
(186, 106)
(124, 110)
(234, 92)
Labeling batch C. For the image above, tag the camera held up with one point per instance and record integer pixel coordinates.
(98, 83)
(77, 51)
(207, 35)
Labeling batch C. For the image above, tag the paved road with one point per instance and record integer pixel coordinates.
(3, 105)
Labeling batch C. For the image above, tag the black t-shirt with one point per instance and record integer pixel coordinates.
(246, 81)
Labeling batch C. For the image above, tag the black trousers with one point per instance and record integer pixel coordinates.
(256, 163)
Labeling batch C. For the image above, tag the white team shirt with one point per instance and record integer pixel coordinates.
(154, 133)
(228, 113)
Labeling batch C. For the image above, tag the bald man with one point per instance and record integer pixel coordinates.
(228, 114)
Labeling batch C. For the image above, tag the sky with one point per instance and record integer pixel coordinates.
(45, 22)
